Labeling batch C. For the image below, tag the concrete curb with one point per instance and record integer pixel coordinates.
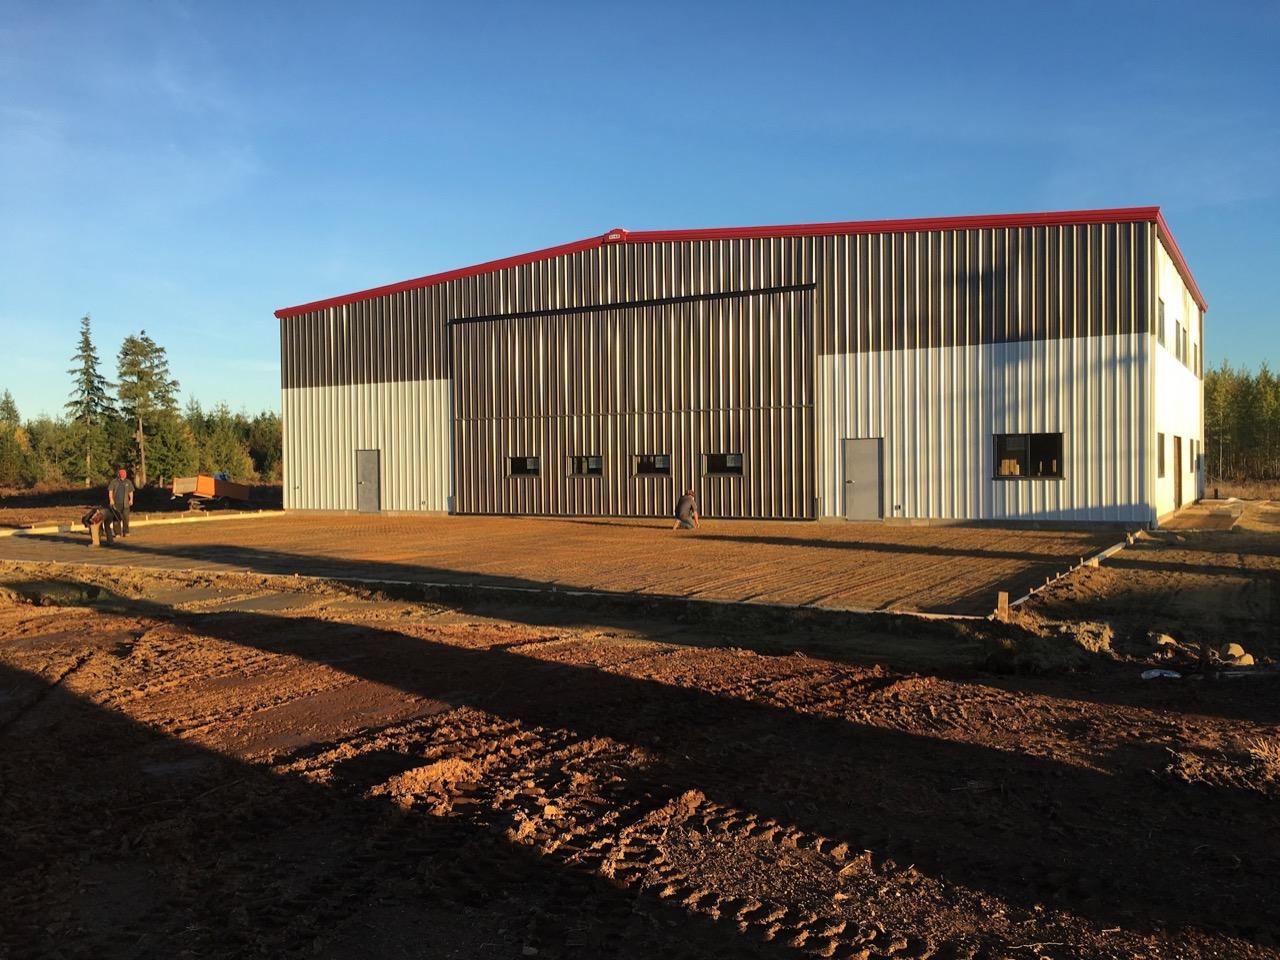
(145, 522)
(1092, 561)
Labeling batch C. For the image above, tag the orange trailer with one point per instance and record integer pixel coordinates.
(204, 488)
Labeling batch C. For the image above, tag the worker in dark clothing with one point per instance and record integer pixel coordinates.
(98, 522)
(120, 499)
(686, 512)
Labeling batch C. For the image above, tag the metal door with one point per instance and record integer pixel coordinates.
(863, 489)
(1177, 472)
(368, 481)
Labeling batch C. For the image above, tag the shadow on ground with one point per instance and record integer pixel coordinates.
(1122, 848)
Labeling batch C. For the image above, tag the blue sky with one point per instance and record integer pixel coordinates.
(189, 167)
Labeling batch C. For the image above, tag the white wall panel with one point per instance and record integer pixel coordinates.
(409, 421)
(1179, 390)
(939, 408)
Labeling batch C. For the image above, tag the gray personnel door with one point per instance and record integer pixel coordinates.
(368, 481)
(863, 499)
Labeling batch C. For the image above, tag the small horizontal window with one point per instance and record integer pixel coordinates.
(586, 466)
(653, 465)
(1028, 455)
(522, 466)
(729, 464)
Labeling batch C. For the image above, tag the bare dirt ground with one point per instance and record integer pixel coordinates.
(835, 566)
(1198, 582)
(1244, 489)
(232, 764)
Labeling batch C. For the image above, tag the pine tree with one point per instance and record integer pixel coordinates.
(90, 405)
(172, 449)
(8, 410)
(146, 390)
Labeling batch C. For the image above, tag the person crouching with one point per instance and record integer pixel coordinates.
(99, 521)
(686, 512)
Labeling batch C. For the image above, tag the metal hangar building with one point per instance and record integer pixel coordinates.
(1043, 366)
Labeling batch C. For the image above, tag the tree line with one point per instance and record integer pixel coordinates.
(1242, 424)
(132, 423)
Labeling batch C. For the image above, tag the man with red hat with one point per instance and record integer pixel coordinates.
(120, 499)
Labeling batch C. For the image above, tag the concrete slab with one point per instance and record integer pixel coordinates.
(835, 566)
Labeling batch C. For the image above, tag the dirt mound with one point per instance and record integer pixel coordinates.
(431, 778)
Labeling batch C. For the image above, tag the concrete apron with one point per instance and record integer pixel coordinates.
(145, 521)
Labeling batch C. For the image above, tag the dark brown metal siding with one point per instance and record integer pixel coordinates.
(874, 292)
(387, 340)
(729, 375)
(957, 288)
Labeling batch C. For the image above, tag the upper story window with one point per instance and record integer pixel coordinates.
(1028, 455)
(1160, 322)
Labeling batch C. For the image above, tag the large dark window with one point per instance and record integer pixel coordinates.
(725, 464)
(653, 465)
(1028, 455)
(586, 466)
(522, 466)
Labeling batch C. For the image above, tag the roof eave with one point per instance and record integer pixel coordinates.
(840, 228)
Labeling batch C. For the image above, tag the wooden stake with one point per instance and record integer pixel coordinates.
(1002, 606)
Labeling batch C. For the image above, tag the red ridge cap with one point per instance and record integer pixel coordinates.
(915, 225)
(843, 228)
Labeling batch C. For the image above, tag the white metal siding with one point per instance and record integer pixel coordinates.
(939, 408)
(1179, 390)
(407, 421)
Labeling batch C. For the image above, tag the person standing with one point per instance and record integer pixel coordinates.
(686, 512)
(120, 499)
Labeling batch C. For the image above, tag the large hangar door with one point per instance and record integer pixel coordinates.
(718, 389)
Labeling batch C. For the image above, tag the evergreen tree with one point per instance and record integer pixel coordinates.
(17, 463)
(265, 443)
(17, 466)
(147, 392)
(1242, 423)
(224, 447)
(173, 450)
(90, 405)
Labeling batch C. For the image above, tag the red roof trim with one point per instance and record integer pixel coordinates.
(1179, 261)
(920, 225)
(848, 227)
(433, 279)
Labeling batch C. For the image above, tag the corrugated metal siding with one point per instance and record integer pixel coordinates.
(938, 341)
(942, 289)
(903, 296)
(938, 454)
(367, 375)
(728, 375)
